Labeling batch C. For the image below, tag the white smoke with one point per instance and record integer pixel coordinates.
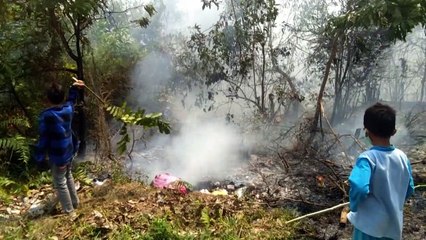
(356, 121)
(201, 144)
(149, 79)
(204, 148)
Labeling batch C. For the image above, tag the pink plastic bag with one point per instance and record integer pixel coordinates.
(163, 180)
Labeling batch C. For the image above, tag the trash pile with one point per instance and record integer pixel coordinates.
(168, 181)
(218, 188)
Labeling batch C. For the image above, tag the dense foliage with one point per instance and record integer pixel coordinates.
(249, 57)
(52, 41)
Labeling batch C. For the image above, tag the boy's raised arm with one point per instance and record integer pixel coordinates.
(74, 90)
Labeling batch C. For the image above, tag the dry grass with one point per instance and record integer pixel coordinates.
(136, 211)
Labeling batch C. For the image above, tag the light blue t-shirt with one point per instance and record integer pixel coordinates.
(380, 182)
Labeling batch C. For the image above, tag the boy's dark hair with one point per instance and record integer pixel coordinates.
(380, 120)
(55, 94)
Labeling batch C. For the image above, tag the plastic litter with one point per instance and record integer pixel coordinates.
(240, 192)
(220, 192)
(205, 191)
(165, 180)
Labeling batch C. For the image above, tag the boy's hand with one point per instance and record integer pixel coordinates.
(344, 216)
(78, 83)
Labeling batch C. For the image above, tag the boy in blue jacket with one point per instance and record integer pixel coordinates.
(57, 141)
(380, 181)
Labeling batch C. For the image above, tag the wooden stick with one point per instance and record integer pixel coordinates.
(319, 212)
(91, 91)
(417, 162)
(331, 209)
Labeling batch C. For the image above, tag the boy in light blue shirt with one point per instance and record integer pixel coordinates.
(380, 181)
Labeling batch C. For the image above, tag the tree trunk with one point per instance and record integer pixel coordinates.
(322, 89)
(340, 81)
(79, 126)
(79, 120)
(286, 77)
(263, 79)
(254, 70)
(336, 114)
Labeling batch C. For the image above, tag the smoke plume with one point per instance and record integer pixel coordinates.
(202, 145)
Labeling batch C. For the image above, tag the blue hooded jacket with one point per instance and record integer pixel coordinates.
(56, 136)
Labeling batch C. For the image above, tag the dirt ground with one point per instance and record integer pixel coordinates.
(309, 187)
(306, 186)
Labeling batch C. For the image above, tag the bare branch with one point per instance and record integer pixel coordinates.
(54, 21)
(126, 10)
(62, 69)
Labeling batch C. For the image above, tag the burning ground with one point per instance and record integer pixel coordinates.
(124, 209)
(249, 200)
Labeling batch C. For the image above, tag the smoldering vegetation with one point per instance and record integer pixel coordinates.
(264, 98)
(224, 109)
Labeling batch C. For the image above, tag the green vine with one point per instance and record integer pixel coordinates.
(128, 117)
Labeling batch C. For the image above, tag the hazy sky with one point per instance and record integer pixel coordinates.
(192, 13)
(183, 13)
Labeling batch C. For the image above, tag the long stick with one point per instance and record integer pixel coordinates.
(91, 91)
(319, 212)
(332, 208)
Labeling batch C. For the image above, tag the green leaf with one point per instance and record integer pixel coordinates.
(150, 9)
(17, 144)
(205, 217)
(125, 115)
